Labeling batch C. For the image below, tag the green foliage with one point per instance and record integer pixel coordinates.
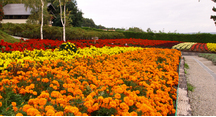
(190, 87)
(68, 46)
(74, 15)
(9, 96)
(7, 37)
(199, 37)
(213, 16)
(104, 112)
(135, 29)
(211, 57)
(87, 22)
(1, 12)
(36, 11)
(186, 66)
(4, 2)
(33, 32)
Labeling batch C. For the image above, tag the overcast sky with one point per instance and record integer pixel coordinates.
(168, 15)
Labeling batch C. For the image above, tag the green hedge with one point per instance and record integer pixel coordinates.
(33, 32)
(200, 37)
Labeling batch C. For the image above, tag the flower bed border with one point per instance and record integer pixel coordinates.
(178, 85)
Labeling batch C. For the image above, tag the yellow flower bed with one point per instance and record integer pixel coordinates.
(139, 82)
(41, 55)
(211, 47)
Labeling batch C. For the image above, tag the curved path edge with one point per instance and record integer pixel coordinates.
(183, 104)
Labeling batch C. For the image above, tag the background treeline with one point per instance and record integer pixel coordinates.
(53, 32)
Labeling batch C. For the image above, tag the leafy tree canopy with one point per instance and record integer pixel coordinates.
(135, 29)
(74, 15)
(1, 12)
(213, 16)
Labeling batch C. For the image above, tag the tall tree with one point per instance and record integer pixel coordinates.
(1, 12)
(213, 16)
(4, 2)
(38, 8)
(88, 22)
(63, 21)
(41, 29)
(135, 29)
(74, 15)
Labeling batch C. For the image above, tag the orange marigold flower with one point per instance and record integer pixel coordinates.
(124, 106)
(106, 100)
(130, 102)
(126, 99)
(84, 114)
(0, 104)
(15, 109)
(79, 114)
(26, 107)
(32, 112)
(0, 97)
(70, 90)
(42, 101)
(51, 85)
(55, 87)
(74, 110)
(137, 92)
(34, 93)
(38, 79)
(50, 112)
(100, 98)
(117, 96)
(19, 114)
(59, 113)
(95, 107)
(49, 107)
(56, 94)
(133, 114)
(113, 104)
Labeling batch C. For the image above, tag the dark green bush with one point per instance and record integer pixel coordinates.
(68, 46)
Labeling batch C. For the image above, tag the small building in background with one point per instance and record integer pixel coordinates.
(17, 13)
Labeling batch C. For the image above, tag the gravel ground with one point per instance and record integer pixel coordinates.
(203, 98)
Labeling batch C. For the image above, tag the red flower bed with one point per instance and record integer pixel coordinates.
(202, 47)
(205, 47)
(52, 44)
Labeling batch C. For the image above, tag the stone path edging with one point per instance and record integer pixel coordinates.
(183, 107)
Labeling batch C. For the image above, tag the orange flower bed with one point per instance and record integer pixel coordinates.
(141, 82)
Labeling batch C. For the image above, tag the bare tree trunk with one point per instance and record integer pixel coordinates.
(63, 23)
(41, 30)
(64, 35)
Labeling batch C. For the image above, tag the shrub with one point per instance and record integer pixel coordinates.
(68, 46)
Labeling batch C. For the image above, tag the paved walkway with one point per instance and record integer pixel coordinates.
(18, 37)
(202, 75)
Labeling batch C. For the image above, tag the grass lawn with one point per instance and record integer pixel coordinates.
(7, 37)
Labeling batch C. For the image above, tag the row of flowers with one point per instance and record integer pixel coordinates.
(138, 82)
(52, 44)
(196, 47)
(61, 53)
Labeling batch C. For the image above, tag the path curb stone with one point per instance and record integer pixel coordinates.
(183, 108)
